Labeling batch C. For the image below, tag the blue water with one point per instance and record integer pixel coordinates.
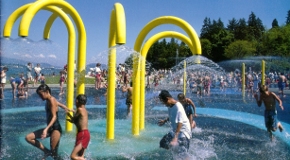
(228, 127)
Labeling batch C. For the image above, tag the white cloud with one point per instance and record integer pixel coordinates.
(52, 56)
(27, 56)
(40, 56)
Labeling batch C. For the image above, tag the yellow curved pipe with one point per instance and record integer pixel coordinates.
(144, 51)
(117, 35)
(169, 20)
(26, 21)
(12, 18)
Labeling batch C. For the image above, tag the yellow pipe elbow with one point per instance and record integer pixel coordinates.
(12, 18)
(169, 20)
(120, 24)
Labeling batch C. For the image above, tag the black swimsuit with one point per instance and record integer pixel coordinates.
(55, 125)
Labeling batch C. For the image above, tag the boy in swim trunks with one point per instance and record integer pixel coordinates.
(80, 119)
(270, 114)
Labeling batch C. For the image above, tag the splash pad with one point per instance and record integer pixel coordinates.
(227, 127)
(212, 137)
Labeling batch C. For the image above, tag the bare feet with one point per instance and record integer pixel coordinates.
(280, 127)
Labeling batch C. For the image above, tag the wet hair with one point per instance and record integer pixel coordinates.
(263, 88)
(5, 68)
(164, 95)
(82, 99)
(181, 96)
(43, 88)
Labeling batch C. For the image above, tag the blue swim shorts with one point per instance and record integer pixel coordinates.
(271, 119)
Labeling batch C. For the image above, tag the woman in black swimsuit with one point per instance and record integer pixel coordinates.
(53, 128)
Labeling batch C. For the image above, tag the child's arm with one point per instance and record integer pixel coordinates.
(193, 106)
(64, 107)
(279, 100)
(259, 102)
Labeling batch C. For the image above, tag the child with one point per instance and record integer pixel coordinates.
(189, 108)
(42, 79)
(269, 99)
(61, 81)
(80, 119)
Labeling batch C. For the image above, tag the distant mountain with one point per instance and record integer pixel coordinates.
(12, 61)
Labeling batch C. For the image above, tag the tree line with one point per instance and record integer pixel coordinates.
(240, 38)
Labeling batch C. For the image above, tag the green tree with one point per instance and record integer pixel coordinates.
(233, 27)
(241, 31)
(255, 28)
(206, 28)
(288, 18)
(240, 49)
(275, 23)
(206, 47)
(277, 42)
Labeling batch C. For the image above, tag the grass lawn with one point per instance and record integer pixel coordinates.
(55, 80)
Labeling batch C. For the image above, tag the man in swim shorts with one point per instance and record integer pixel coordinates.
(269, 99)
(80, 119)
(282, 84)
(178, 139)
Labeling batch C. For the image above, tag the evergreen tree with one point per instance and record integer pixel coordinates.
(205, 30)
(241, 31)
(288, 18)
(255, 28)
(275, 23)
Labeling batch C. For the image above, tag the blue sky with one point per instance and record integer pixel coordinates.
(96, 17)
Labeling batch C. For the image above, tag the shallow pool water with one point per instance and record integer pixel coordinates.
(228, 127)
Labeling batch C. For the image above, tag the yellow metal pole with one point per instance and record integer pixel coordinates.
(142, 91)
(243, 78)
(184, 79)
(136, 95)
(263, 72)
(117, 35)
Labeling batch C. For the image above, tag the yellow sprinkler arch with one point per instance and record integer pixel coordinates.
(117, 35)
(138, 43)
(144, 51)
(26, 21)
(71, 39)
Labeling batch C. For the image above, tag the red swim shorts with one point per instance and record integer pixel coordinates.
(83, 137)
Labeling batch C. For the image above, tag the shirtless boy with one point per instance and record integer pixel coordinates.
(80, 119)
(270, 114)
(129, 91)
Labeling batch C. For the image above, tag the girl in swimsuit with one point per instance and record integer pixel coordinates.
(53, 128)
